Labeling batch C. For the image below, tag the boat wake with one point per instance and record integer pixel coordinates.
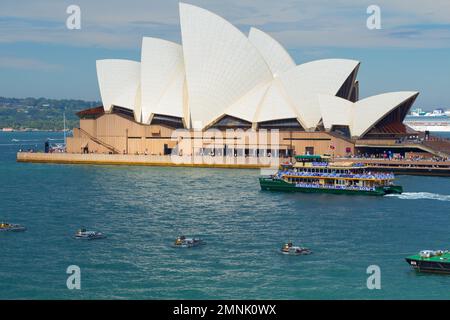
(421, 196)
(18, 144)
(21, 140)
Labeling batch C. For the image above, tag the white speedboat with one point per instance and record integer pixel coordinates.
(89, 235)
(183, 242)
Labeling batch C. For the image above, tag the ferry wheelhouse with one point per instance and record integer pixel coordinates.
(313, 173)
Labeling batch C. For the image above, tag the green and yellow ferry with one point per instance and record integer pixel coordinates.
(315, 173)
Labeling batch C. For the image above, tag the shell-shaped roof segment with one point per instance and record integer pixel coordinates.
(266, 102)
(306, 81)
(369, 111)
(272, 51)
(335, 111)
(362, 115)
(275, 105)
(172, 100)
(246, 107)
(221, 63)
(162, 70)
(119, 83)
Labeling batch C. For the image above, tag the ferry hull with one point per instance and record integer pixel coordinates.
(423, 265)
(268, 184)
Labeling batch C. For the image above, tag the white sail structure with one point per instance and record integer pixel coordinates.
(218, 75)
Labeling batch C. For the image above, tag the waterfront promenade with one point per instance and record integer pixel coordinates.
(415, 167)
(150, 160)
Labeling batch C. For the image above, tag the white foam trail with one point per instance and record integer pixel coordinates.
(20, 140)
(18, 144)
(421, 196)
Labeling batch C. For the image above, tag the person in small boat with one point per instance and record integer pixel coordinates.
(4, 225)
(180, 240)
(287, 246)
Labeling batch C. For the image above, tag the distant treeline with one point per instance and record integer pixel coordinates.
(41, 113)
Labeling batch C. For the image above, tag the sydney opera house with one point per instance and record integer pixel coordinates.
(221, 79)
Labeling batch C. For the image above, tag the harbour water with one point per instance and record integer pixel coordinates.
(143, 209)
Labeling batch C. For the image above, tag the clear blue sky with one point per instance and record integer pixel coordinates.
(40, 57)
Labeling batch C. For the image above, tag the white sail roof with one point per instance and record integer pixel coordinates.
(295, 94)
(306, 81)
(162, 78)
(367, 112)
(221, 63)
(335, 111)
(272, 51)
(246, 107)
(119, 83)
(219, 71)
(275, 105)
(172, 101)
(362, 115)
(266, 102)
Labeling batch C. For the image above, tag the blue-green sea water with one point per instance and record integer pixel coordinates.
(142, 210)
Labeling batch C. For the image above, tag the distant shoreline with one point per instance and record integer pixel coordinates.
(40, 114)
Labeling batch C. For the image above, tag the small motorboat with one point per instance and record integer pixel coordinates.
(11, 227)
(289, 248)
(183, 242)
(89, 235)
